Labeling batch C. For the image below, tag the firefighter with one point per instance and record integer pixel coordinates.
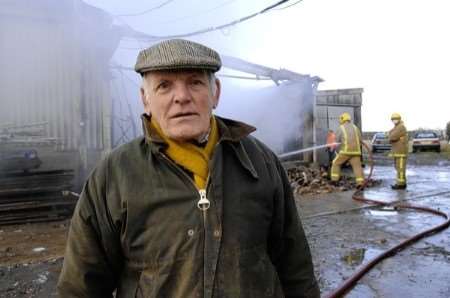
(398, 137)
(349, 137)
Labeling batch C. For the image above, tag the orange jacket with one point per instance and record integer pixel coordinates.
(331, 139)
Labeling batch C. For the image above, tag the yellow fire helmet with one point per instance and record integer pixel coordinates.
(344, 118)
(396, 116)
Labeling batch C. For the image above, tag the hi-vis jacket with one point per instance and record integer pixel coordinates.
(349, 136)
(398, 137)
(137, 227)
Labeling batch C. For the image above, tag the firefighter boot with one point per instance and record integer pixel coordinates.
(334, 183)
(398, 186)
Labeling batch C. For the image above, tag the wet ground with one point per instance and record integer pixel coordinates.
(343, 235)
(31, 258)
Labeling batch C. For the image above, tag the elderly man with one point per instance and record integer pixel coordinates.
(195, 208)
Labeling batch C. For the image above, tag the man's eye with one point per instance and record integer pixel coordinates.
(197, 82)
(162, 86)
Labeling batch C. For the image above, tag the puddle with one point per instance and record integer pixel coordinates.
(443, 176)
(411, 172)
(387, 211)
(359, 256)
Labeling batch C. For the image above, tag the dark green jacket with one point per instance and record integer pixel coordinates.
(137, 228)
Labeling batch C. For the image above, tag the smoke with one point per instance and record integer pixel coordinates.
(69, 65)
(55, 67)
(276, 111)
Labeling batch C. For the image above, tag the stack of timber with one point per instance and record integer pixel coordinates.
(36, 196)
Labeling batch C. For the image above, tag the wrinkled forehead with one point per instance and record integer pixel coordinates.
(175, 74)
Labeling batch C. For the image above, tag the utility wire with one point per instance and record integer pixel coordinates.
(143, 36)
(197, 14)
(281, 8)
(145, 11)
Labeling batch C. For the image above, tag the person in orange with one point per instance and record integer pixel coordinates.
(331, 146)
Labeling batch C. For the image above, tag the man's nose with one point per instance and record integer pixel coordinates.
(182, 94)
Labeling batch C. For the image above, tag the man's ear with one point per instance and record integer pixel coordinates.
(216, 95)
(144, 100)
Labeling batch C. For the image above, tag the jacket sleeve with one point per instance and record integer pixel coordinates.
(289, 247)
(91, 265)
(396, 133)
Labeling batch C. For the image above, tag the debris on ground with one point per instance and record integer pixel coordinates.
(34, 243)
(310, 180)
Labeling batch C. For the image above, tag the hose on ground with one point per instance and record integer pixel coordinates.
(350, 282)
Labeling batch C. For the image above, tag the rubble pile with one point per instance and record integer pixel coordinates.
(309, 180)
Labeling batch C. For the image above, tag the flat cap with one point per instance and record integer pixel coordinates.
(177, 54)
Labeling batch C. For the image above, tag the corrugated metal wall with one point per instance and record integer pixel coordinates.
(48, 75)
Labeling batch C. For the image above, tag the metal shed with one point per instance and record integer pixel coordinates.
(55, 69)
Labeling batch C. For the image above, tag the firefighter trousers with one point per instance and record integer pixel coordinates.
(355, 162)
(400, 166)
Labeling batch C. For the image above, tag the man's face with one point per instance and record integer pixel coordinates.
(181, 102)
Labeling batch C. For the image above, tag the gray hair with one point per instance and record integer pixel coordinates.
(212, 81)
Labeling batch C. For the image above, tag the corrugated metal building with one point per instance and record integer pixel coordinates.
(55, 69)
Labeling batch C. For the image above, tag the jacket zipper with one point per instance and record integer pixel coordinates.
(203, 204)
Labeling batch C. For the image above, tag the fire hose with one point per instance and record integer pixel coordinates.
(358, 195)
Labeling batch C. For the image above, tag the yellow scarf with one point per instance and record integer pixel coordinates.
(191, 157)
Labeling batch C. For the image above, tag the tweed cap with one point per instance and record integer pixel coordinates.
(177, 54)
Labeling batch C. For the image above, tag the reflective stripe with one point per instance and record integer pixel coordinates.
(345, 149)
(345, 138)
(397, 155)
(359, 179)
(352, 153)
(401, 168)
(334, 160)
(335, 177)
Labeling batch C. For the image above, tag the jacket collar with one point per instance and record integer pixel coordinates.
(230, 131)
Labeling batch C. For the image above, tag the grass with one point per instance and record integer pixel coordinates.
(445, 148)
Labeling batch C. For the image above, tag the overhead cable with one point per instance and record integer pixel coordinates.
(198, 14)
(144, 36)
(290, 5)
(145, 11)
